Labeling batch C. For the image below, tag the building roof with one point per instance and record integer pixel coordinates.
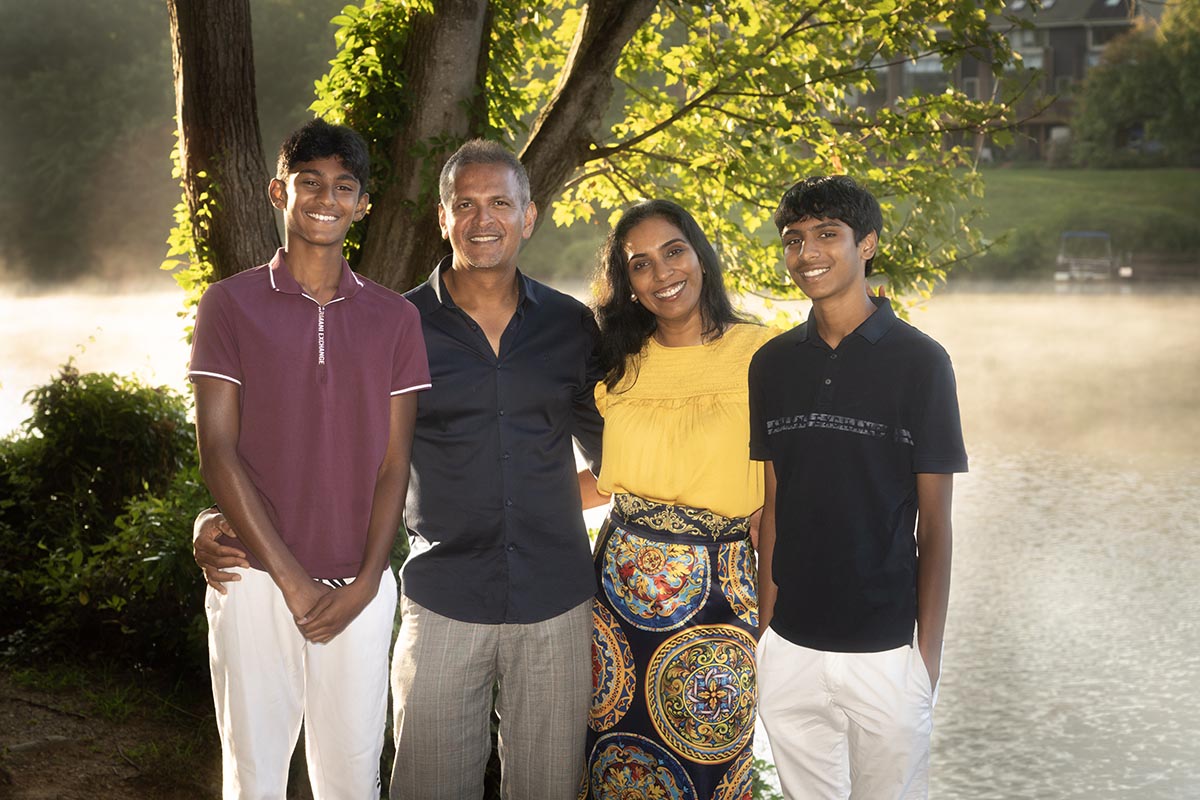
(1060, 13)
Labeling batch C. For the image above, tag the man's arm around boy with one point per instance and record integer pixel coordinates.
(321, 612)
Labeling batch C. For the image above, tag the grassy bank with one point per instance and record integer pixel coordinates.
(1146, 211)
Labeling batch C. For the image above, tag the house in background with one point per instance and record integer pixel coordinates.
(1065, 40)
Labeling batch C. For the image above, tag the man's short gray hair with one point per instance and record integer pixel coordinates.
(483, 151)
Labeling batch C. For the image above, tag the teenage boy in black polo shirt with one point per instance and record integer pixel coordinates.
(856, 416)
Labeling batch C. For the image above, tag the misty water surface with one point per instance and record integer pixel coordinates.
(1073, 646)
(131, 333)
(1072, 661)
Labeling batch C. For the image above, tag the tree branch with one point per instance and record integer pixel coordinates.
(585, 176)
(608, 175)
(568, 125)
(686, 108)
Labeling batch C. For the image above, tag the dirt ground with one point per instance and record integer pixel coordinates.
(70, 732)
(117, 741)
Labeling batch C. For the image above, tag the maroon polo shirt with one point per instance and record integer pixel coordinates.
(316, 385)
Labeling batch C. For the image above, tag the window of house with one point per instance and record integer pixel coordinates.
(928, 64)
(1022, 38)
(926, 75)
(1099, 37)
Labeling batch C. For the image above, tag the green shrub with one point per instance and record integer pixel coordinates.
(92, 442)
(18, 545)
(143, 584)
(94, 534)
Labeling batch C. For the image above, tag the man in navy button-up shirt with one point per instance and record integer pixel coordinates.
(493, 512)
(497, 589)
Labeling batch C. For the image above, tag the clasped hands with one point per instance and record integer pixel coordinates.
(319, 611)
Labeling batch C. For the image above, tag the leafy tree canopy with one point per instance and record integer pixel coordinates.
(1180, 38)
(720, 105)
(1142, 102)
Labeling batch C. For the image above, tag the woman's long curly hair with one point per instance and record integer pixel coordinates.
(625, 325)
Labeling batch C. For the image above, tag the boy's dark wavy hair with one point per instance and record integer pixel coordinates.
(832, 197)
(320, 139)
(625, 325)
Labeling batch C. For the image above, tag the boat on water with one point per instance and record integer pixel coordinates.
(1088, 256)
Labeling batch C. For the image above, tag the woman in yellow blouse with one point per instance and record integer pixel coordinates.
(673, 655)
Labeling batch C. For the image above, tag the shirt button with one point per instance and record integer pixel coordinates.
(512, 548)
(502, 412)
(508, 502)
(827, 382)
(507, 455)
(832, 356)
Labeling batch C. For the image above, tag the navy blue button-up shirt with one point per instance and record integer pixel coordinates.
(493, 511)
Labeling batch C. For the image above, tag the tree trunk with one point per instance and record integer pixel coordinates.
(446, 58)
(569, 124)
(403, 242)
(219, 142)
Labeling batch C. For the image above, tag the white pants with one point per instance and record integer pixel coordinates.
(846, 725)
(267, 678)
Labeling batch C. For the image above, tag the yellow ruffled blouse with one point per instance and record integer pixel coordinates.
(677, 427)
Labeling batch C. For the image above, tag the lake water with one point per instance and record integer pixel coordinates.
(1072, 660)
(134, 333)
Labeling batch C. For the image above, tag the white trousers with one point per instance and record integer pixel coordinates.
(846, 725)
(267, 679)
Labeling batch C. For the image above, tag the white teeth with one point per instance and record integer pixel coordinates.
(670, 291)
(484, 239)
(322, 217)
(812, 273)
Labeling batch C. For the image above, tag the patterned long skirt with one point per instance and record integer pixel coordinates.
(674, 689)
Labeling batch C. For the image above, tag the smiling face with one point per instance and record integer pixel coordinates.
(665, 273)
(485, 218)
(823, 258)
(319, 200)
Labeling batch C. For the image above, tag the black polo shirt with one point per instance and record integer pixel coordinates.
(847, 431)
(493, 511)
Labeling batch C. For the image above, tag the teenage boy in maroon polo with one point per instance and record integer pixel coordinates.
(306, 377)
(856, 416)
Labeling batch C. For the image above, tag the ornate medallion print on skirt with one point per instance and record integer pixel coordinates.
(625, 766)
(738, 781)
(738, 576)
(701, 692)
(655, 586)
(675, 617)
(613, 676)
